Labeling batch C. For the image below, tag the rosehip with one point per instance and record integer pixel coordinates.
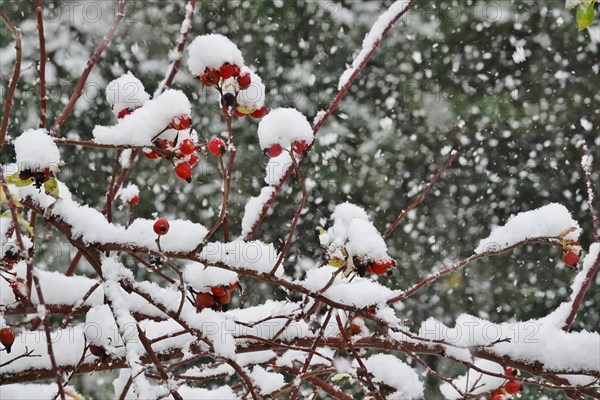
(96, 350)
(204, 300)
(210, 77)
(299, 147)
(244, 81)
(226, 70)
(225, 299)
(233, 286)
(124, 112)
(187, 147)
(261, 112)
(217, 147)
(180, 123)
(184, 171)
(161, 226)
(275, 150)
(134, 200)
(378, 268)
(499, 397)
(193, 159)
(237, 113)
(7, 338)
(355, 329)
(511, 371)
(151, 155)
(218, 291)
(570, 258)
(512, 387)
(235, 69)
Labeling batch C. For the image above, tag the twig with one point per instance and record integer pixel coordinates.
(288, 242)
(78, 307)
(590, 192)
(8, 101)
(57, 377)
(421, 197)
(28, 353)
(578, 298)
(42, 65)
(89, 66)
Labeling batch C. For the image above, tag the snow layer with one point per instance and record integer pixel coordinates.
(545, 222)
(266, 381)
(391, 371)
(253, 209)
(129, 192)
(212, 51)
(202, 278)
(32, 391)
(126, 91)
(144, 124)
(474, 382)
(255, 255)
(36, 150)
(284, 126)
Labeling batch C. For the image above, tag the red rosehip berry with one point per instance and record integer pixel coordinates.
(217, 147)
(274, 150)
(184, 171)
(7, 338)
(261, 112)
(570, 258)
(193, 159)
(225, 299)
(299, 147)
(204, 300)
(227, 70)
(378, 268)
(187, 147)
(161, 226)
(210, 77)
(124, 112)
(134, 201)
(235, 69)
(98, 351)
(499, 397)
(182, 122)
(151, 155)
(355, 329)
(244, 81)
(512, 387)
(233, 286)
(511, 371)
(218, 291)
(237, 113)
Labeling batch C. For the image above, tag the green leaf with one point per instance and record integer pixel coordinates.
(339, 377)
(585, 15)
(51, 187)
(14, 179)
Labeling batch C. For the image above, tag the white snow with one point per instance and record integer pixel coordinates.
(545, 222)
(365, 241)
(277, 167)
(35, 150)
(284, 126)
(144, 124)
(126, 91)
(202, 278)
(266, 381)
(519, 55)
(253, 209)
(19, 391)
(372, 38)
(254, 255)
(474, 382)
(129, 192)
(212, 51)
(391, 371)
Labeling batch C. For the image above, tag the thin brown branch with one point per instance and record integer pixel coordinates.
(421, 197)
(590, 192)
(78, 308)
(28, 353)
(580, 295)
(8, 101)
(42, 64)
(88, 68)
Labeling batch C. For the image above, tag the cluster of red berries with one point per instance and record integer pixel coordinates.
(571, 251)
(217, 299)
(183, 155)
(19, 288)
(7, 338)
(510, 388)
(378, 267)
(299, 147)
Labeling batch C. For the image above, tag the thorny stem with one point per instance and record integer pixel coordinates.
(42, 65)
(8, 101)
(421, 196)
(88, 68)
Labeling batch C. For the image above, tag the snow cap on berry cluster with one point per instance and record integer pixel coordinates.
(36, 151)
(353, 230)
(128, 193)
(202, 278)
(253, 97)
(144, 124)
(284, 126)
(212, 51)
(126, 91)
